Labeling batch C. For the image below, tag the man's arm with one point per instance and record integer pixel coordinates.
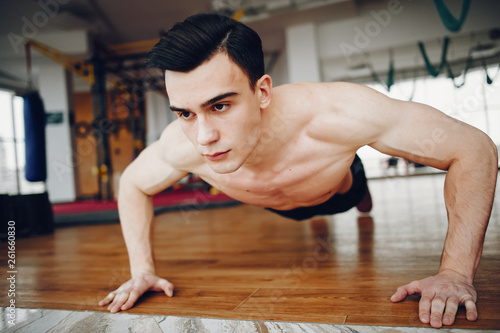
(471, 160)
(424, 135)
(144, 177)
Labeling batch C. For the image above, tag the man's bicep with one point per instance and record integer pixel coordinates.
(424, 135)
(151, 173)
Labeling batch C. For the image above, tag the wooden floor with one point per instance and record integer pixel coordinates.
(247, 263)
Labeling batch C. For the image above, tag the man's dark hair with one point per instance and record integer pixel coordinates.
(199, 37)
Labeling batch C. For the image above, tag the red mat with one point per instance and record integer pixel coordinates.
(176, 198)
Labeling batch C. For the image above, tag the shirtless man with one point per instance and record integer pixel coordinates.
(293, 149)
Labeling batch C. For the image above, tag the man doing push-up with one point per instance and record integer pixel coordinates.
(292, 149)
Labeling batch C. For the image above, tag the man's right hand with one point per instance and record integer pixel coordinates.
(125, 297)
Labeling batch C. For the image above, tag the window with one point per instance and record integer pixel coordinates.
(476, 103)
(12, 153)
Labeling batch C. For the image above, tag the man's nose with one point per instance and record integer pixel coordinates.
(207, 133)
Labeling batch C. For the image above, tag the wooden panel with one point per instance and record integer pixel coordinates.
(247, 263)
(86, 157)
(120, 142)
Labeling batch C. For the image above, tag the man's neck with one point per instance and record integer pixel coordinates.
(267, 153)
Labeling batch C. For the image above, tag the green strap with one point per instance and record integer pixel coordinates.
(489, 80)
(449, 21)
(430, 68)
(390, 75)
(468, 65)
(413, 89)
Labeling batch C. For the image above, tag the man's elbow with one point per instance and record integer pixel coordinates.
(492, 150)
(477, 151)
(488, 151)
(127, 181)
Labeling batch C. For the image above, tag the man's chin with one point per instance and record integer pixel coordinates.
(223, 168)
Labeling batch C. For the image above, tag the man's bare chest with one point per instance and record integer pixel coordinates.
(303, 180)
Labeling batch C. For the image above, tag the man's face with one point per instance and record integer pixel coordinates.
(219, 112)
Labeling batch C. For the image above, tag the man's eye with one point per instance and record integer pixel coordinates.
(220, 107)
(185, 115)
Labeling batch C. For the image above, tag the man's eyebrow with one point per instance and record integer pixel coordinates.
(207, 103)
(218, 98)
(176, 109)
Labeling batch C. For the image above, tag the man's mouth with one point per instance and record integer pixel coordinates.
(217, 156)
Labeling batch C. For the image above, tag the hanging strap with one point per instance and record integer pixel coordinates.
(390, 73)
(414, 88)
(489, 80)
(449, 21)
(468, 65)
(430, 68)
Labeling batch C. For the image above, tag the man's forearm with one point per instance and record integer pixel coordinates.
(469, 191)
(136, 218)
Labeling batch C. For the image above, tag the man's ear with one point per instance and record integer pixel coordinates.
(264, 86)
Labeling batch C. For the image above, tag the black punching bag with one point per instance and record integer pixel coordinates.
(34, 132)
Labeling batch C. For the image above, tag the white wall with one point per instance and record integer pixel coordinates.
(54, 88)
(158, 115)
(302, 53)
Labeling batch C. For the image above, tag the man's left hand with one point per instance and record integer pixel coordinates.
(441, 295)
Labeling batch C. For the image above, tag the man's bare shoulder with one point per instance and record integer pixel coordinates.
(320, 97)
(337, 112)
(332, 93)
(175, 149)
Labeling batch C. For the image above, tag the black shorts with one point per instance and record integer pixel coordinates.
(338, 203)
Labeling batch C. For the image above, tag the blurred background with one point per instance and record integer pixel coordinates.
(85, 59)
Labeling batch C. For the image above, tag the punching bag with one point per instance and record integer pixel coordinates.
(34, 133)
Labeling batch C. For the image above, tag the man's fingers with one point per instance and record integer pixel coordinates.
(406, 290)
(450, 311)
(127, 295)
(132, 298)
(441, 296)
(107, 300)
(118, 302)
(169, 290)
(470, 308)
(424, 308)
(166, 286)
(399, 295)
(437, 310)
